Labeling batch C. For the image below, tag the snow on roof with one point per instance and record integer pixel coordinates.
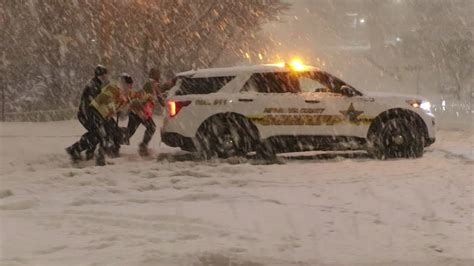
(233, 71)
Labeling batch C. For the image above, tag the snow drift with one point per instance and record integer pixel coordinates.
(316, 209)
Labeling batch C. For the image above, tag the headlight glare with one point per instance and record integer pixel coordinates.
(425, 105)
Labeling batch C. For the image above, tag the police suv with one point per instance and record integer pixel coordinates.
(280, 108)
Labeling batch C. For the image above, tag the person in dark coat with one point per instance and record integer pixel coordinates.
(85, 115)
(103, 108)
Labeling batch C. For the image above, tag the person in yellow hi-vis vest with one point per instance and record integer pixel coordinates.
(104, 107)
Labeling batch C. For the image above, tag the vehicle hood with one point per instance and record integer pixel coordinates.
(392, 95)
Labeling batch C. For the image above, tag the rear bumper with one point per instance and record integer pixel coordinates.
(177, 140)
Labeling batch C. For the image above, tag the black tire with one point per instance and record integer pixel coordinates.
(397, 138)
(224, 137)
(266, 151)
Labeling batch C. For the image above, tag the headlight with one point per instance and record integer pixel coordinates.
(425, 105)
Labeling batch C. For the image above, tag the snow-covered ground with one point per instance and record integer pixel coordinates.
(313, 210)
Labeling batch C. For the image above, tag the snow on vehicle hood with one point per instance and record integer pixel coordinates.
(377, 94)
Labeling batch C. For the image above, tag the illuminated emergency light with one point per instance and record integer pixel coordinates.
(297, 65)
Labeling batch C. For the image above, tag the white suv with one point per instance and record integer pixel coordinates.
(279, 108)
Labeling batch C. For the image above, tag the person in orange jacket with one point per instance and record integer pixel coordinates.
(141, 108)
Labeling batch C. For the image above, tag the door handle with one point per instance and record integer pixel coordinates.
(245, 100)
(312, 101)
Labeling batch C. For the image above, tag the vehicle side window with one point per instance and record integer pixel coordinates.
(319, 81)
(202, 85)
(280, 82)
(307, 84)
(250, 86)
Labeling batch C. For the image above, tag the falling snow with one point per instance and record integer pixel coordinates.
(176, 208)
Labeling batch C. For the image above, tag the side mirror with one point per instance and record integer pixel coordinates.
(349, 91)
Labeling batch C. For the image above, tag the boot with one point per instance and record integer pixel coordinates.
(74, 153)
(100, 157)
(125, 136)
(143, 150)
(89, 155)
(114, 151)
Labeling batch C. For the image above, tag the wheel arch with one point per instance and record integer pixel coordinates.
(397, 113)
(232, 116)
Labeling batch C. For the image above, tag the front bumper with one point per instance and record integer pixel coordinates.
(429, 141)
(177, 140)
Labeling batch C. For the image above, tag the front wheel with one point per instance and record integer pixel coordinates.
(397, 138)
(266, 151)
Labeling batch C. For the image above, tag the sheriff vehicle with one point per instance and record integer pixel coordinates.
(280, 108)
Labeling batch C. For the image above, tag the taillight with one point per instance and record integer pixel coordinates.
(175, 106)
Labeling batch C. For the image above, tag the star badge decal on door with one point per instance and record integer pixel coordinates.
(351, 114)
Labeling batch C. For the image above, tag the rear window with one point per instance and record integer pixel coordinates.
(202, 85)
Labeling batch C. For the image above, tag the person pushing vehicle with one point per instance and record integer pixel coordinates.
(104, 108)
(84, 114)
(142, 104)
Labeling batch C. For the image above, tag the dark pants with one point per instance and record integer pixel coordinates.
(115, 136)
(134, 122)
(99, 132)
(89, 139)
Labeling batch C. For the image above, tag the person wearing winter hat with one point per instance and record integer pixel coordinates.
(103, 108)
(91, 90)
(142, 104)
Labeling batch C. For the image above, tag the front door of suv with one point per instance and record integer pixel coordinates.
(272, 103)
(338, 114)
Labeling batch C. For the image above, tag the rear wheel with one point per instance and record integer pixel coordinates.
(397, 138)
(225, 137)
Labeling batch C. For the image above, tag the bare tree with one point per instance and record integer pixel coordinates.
(66, 39)
(442, 39)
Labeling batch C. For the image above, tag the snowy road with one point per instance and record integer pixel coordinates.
(312, 210)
